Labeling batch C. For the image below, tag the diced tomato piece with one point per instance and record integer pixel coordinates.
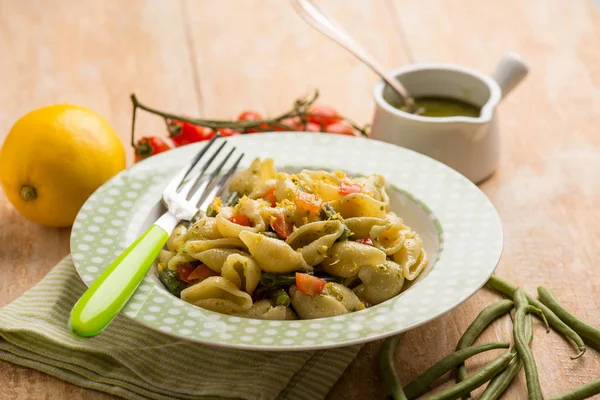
(184, 271)
(269, 196)
(308, 202)
(281, 226)
(349, 188)
(201, 273)
(240, 219)
(310, 285)
(366, 241)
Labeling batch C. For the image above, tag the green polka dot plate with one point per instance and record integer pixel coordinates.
(460, 228)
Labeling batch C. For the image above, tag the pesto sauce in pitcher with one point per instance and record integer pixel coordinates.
(430, 106)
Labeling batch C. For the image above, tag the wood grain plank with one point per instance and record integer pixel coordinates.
(261, 55)
(547, 185)
(94, 54)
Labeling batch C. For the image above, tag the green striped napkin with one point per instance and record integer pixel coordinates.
(135, 362)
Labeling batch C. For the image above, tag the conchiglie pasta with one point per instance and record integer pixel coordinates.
(380, 282)
(345, 296)
(164, 256)
(359, 205)
(242, 271)
(347, 257)
(193, 247)
(217, 294)
(323, 184)
(177, 239)
(361, 226)
(255, 210)
(258, 172)
(315, 239)
(411, 257)
(204, 228)
(273, 255)
(336, 225)
(179, 259)
(285, 189)
(374, 186)
(389, 238)
(317, 306)
(263, 309)
(215, 258)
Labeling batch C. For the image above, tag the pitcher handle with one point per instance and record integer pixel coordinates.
(509, 72)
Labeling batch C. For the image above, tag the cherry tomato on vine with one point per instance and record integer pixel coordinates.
(323, 115)
(149, 146)
(291, 124)
(253, 116)
(225, 132)
(183, 133)
(340, 128)
(312, 127)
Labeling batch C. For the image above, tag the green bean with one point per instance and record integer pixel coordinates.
(502, 381)
(585, 330)
(423, 382)
(474, 381)
(281, 298)
(485, 317)
(582, 392)
(171, 281)
(554, 321)
(534, 310)
(387, 370)
(534, 390)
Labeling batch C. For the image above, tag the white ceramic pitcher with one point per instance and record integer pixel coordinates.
(469, 145)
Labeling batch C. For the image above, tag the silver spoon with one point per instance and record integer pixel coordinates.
(315, 17)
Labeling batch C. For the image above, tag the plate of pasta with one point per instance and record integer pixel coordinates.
(318, 242)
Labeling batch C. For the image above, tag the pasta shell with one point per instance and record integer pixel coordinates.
(315, 239)
(177, 239)
(380, 282)
(361, 226)
(317, 306)
(217, 294)
(273, 255)
(242, 271)
(258, 172)
(193, 247)
(359, 205)
(374, 186)
(204, 228)
(347, 257)
(165, 255)
(263, 309)
(179, 259)
(389, 238)
(411, 257)
(215, 258)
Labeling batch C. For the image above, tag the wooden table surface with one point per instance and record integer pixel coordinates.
(216, 58)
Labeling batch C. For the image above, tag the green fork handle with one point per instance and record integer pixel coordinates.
(103, 300)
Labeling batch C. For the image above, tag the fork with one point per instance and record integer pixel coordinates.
(187, 193)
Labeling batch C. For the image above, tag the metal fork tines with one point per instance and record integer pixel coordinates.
(197, 187)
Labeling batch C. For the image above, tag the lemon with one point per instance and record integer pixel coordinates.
(54, 158)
